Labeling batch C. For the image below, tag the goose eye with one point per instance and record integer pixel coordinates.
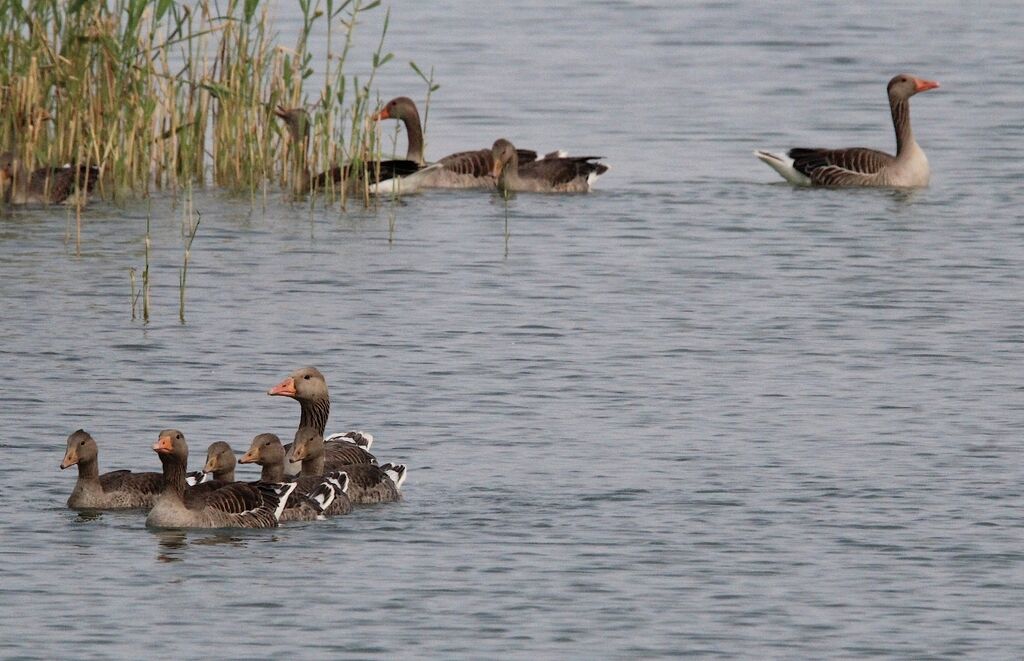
(306, 377)
(82, 443)
(178, 437)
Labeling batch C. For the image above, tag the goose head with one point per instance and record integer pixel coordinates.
(308, 444)
(306, 384)
(81, 449)
(264, 449)
(503, 153)
(297, 121)
(219, 458)
(904, 86)
(171, 444)
(400, 108)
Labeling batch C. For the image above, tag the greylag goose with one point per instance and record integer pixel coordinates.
(44, 186)
(308, 387)
(551, 174)
(120, 489)
(367, 483)
(859, 166)
(235, 505)
(267, 451)
(220, 465)
(384, 177)
(464, 169)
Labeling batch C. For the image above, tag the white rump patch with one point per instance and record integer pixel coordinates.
(784, 166)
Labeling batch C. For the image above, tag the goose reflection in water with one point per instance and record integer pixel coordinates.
(172, 542)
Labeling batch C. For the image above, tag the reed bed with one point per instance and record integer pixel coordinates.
(165, 95)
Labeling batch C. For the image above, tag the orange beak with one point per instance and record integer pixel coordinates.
(924, 85)
(297, 455)
(164, 445)
(211, 465)
(496, 170)
(380, 114)
(247, 458)
(69, 460)
(285, 388)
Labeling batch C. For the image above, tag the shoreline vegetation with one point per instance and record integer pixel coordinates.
(161, 95)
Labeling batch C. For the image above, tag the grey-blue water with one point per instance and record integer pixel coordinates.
(695, 412)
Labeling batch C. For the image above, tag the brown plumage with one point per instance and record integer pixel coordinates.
(859, 166)
(43, 186)
(267, 451)
(367, 483)
(308, 387)
(120, 489)
(465, 169)
(235, 505)
(551, 174)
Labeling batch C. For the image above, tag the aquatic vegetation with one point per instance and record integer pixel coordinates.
(162, 94)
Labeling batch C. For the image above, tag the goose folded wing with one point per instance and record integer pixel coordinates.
(340, 453)
(480, 162)
(563, 170)
(121, 480)
(235, 498)
(838, 166)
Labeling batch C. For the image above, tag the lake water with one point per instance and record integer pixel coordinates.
(695, 412)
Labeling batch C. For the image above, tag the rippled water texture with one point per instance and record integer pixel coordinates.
(697, 411)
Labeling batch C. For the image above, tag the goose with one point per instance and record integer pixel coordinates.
(308, 387)
(267, 451)
(399, 177)
(235, 505)
(464, 169)
(551, 174)
(220, 465)
(367, 483)
(44, 186)
(121, 489)
(858, 166)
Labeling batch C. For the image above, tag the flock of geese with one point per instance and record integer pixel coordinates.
(507, 169)
(308, 479)
(314, 477)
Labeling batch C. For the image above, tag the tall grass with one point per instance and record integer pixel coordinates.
(164, 94)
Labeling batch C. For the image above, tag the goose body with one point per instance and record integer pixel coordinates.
(465, 169)
(121, 489)
(44, 186)
(394, 176)
(367, 483)
(267, 451)
(859, 166)
(551, 174)
(235, 505)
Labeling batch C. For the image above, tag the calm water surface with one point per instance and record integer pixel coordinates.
(696, 412)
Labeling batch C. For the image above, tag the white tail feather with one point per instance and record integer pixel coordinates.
(397, 473)
(784, 166)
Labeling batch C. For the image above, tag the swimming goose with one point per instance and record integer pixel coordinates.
(367, 483)
(235, 505)
(859, 166)
(220, 465)
(120, 489)
(384, 177)
(308, 387)
(551, 174)
(46, 185)
(464, 169)
(267, 451)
